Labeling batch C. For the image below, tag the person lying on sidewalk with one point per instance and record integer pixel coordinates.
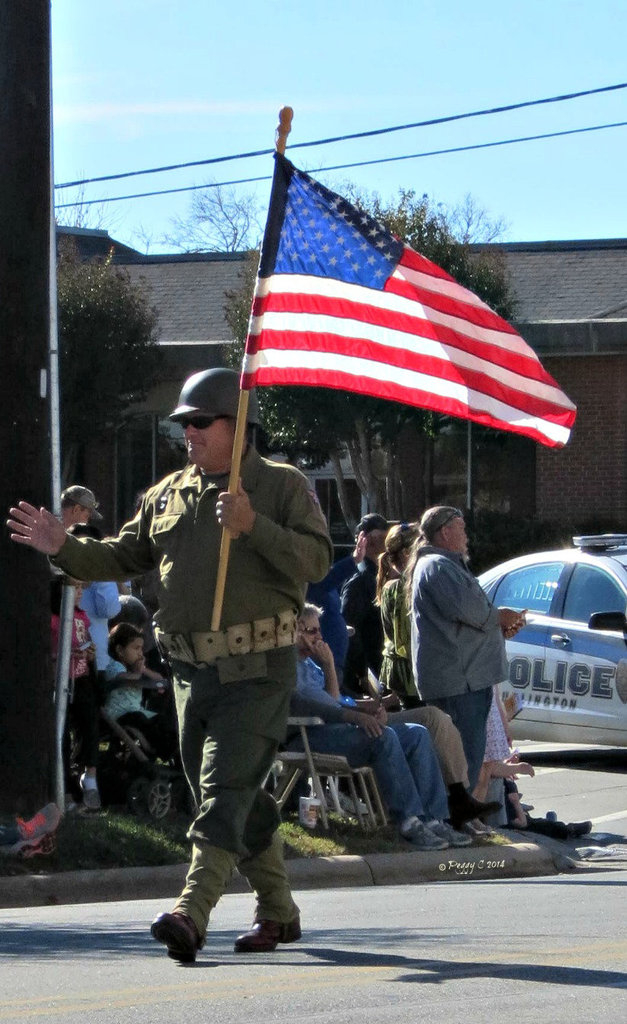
(548, 826)
(402, 756)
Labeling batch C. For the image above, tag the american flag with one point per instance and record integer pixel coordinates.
(341, 303)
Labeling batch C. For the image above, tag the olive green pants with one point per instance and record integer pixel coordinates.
(229, 734)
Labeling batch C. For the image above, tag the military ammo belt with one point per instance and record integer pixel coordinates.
(245, 638)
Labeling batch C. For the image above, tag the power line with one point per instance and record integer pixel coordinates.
(360, 163)
(166, 191)
(479, 145)
(344, 138)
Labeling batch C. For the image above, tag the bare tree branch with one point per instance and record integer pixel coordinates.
(219, 220)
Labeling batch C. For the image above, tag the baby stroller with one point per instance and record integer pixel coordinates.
(148, 779)
(130, 773)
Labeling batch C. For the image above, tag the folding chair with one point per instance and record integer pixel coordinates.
(317, 766)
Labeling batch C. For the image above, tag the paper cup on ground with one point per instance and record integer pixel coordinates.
(308, 807)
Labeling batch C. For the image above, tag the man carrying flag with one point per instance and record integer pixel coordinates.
(341, 303)
(232, 684)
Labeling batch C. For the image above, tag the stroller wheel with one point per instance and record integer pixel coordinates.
(158, 798)
(149, 796)
(137, 796)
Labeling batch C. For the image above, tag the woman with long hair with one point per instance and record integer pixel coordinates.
(396, 670)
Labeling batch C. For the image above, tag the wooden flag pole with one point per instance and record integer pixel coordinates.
(281, 134)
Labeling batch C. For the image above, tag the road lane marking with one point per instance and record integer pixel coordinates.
(609, 817)
(462, 962)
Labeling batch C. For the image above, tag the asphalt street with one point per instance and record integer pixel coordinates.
(578, 783)
(548, 948)
(536, 949)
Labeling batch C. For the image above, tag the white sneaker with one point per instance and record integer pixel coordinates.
(452, 836)
(28, 838)
(91, 796)
(45, 822)
(477, 829)
(421, 836)
(348, 806)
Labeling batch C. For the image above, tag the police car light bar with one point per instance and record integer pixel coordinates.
(601, 541)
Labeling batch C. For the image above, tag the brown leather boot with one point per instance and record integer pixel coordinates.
(264, 936)
(179, 933)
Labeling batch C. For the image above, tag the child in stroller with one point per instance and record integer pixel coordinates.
(139, 736)
(126, 678)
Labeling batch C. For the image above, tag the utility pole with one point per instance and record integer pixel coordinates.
(26, 688)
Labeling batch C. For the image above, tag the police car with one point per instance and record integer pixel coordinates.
(568, 666)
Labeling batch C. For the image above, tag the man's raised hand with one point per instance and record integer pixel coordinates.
(37, 528)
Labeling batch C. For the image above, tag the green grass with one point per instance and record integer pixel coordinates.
(117, 839)
(109, 839)
(344, 837)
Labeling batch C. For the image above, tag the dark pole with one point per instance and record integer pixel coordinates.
(26, 711)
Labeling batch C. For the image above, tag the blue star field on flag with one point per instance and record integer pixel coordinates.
(325, 236)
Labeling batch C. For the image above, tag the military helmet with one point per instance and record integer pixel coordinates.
(213, 393)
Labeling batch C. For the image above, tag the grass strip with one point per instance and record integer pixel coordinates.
(117, 839)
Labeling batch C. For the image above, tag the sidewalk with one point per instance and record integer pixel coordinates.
(543, 856)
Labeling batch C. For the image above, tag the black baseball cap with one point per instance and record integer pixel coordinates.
(372, 521)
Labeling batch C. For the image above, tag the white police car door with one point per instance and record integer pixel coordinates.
(534, 587)
(582, 662)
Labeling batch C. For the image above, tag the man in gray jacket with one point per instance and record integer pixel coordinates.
(457, 633)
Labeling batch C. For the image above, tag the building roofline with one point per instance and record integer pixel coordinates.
(66, 229)
(594, 321)
(569, 245)
(182, 257)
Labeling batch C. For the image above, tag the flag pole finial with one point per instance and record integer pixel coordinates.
(283, 129)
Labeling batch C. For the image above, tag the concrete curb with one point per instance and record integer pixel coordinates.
(518, 860)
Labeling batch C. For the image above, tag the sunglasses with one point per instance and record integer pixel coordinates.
(456, 514)
(311, 630)
(198, 422)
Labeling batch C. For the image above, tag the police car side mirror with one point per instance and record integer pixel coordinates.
(615, 622)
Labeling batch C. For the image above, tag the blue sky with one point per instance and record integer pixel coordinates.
(143, 83)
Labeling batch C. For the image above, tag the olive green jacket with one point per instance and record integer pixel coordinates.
(176, 530)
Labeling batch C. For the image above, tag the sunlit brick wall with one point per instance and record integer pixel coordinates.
(589, 476)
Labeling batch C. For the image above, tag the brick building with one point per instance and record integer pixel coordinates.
(572, 310)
